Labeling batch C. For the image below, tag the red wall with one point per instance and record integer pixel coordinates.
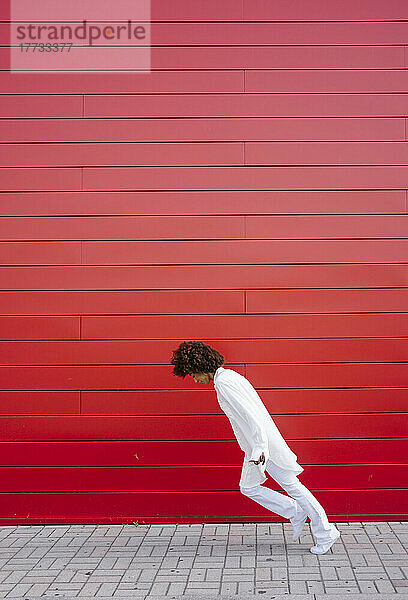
(249, 192)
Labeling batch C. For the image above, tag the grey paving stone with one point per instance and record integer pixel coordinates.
(38, 589)
(359, 597)
(384, 586)
(14, 577)
(297, 587)
(106, 589)
(229, 560)
(238, 597)
(315, 587)
(200, 596)
(176, 587)
(19, 590)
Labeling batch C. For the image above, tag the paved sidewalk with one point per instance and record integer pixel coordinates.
(233, 560)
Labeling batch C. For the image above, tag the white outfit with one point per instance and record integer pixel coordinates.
(253, 427)
(256, 433)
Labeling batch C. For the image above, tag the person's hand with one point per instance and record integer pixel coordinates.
(261, 459)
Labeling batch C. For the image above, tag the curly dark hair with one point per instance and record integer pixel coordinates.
(195, 357)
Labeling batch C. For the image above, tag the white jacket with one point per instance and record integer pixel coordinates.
(253, 427)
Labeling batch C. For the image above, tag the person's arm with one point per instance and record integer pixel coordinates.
(240, 409)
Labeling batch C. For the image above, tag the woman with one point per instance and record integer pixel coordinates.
(261, 441)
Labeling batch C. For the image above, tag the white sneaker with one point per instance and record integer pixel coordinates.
(298, 524)
(323, 548)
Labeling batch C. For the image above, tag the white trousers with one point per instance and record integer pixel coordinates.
(289, 506)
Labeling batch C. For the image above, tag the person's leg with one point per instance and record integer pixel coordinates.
(280, 504)
(322, 530)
